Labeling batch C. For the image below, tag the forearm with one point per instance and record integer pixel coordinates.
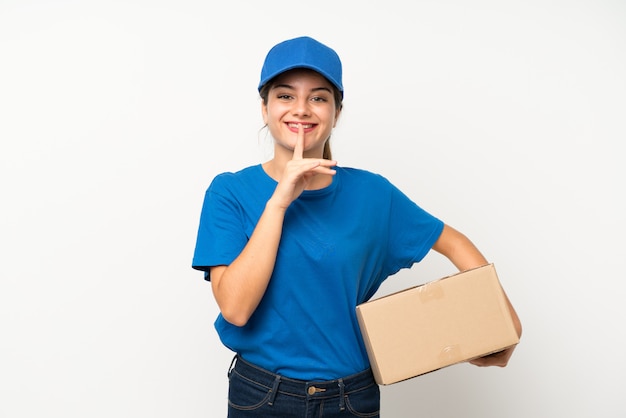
(517, 323)
(239, 287)
(465, 255)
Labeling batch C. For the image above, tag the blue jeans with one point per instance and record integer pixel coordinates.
(254, 392)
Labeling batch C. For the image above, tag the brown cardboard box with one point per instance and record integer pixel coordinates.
(437, 324)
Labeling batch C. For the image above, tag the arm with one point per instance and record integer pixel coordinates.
(464, 255)
(239, 287)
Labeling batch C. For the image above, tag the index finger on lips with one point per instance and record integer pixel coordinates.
(298, 150)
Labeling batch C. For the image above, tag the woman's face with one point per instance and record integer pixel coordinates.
(300, 96)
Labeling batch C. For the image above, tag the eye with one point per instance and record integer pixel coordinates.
(319, 99)
(283, 96)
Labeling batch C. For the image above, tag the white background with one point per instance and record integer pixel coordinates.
(506, 119)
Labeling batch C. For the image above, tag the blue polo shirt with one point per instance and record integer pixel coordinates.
(338, 245)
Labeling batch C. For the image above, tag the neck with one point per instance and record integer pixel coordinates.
(275, 169)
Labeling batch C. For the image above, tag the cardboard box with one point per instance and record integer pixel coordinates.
(435, 325)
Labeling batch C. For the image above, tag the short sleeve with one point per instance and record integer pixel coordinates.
(413, 231)
(221, 233)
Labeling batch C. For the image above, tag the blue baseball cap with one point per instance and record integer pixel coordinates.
(302, 52)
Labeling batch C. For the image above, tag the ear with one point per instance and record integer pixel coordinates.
(264, 112)
(337, 113)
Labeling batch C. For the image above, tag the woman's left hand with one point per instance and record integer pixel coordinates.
(500, 359)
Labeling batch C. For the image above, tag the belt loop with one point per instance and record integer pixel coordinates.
(274, 391)
(342, 401)
(231, 367)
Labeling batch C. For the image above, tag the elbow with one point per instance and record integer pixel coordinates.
(235, 311)
(235, 317)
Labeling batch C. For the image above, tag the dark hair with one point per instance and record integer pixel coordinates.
(338, 96)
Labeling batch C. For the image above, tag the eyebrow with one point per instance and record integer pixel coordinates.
(288, 86)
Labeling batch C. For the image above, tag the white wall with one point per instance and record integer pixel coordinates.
(506, 119)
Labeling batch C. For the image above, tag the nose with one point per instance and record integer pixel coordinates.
(301, 107)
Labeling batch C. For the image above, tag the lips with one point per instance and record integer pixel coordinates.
(293, 125)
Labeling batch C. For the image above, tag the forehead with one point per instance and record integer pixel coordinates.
(302, 76)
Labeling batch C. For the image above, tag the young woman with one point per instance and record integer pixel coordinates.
(293, 245)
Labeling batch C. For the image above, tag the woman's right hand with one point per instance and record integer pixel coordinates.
(298, 173)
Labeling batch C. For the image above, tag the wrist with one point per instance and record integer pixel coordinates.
(273, 205)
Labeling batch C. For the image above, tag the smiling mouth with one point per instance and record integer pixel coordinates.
(304, 125)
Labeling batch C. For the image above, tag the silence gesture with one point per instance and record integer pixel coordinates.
(299, 172)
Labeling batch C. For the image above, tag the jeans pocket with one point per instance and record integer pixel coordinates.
(364, 403)
(245, 394)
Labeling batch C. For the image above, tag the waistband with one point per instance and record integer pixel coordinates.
(301, 388)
